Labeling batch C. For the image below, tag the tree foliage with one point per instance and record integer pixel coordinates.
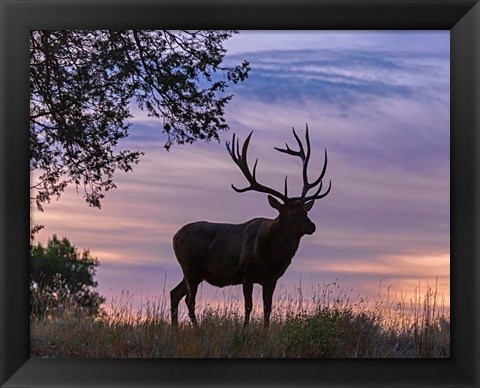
(82, 87)
(60, 272)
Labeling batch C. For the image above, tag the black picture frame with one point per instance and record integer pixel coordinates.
(461, 17)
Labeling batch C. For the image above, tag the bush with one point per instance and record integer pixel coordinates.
(60, 275)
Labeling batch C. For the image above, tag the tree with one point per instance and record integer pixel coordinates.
(59, 272)
(83, 83)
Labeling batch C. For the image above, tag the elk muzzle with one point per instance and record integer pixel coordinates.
(309, 227)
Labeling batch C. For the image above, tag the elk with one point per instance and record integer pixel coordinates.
(257, 251)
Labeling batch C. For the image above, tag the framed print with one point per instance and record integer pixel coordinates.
(386, 126)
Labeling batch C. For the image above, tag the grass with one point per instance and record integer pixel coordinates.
(329, 325)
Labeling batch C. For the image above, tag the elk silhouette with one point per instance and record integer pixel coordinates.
(257, 251)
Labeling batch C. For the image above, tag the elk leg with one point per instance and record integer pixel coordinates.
(247, 295)
(190, 300)
(176, 296)
(267, 293)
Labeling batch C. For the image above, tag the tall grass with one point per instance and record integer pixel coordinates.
(330, 323)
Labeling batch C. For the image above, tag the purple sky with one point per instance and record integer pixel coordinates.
(377, 101)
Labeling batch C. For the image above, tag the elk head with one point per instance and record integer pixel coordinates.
(292, 210)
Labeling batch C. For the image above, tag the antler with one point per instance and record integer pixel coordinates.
(241, 161)
(305, 157)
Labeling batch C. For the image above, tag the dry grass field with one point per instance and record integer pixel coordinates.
(330, 325)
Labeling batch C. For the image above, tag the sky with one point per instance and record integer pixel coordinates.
(377, 101)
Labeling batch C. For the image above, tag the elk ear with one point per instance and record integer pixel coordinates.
(274, 203)
(308, 205)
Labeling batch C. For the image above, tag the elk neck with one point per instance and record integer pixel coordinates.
(284, 241)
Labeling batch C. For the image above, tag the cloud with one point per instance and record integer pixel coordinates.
(423, 42)
(340, 76)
